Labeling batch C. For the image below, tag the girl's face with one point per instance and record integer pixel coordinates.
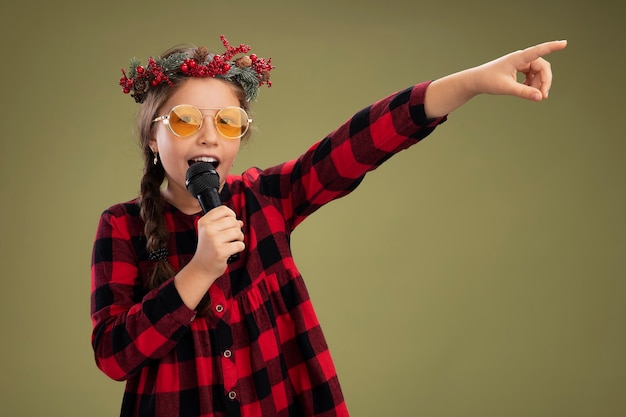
(178, 153)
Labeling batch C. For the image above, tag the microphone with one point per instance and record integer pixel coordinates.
(203, 182)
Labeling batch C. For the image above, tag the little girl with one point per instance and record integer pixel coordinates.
(192, 333)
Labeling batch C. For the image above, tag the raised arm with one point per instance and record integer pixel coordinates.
(497, 77)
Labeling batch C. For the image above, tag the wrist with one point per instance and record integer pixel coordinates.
(192, 282)
(450, 92)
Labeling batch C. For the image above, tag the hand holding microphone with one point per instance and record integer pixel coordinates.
(222, 226)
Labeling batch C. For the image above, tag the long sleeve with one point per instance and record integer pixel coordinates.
(131, 328)
(335, 166)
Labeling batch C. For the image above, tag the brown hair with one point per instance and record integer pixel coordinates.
(150, 198)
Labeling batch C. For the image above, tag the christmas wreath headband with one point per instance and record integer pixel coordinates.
(249, 71)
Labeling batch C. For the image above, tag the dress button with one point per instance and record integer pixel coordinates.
(232, 395)
(219, 308)
(228, 353)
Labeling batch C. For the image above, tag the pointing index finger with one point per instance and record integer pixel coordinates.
(534, 52)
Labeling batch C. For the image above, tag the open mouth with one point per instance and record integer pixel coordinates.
(208, 159)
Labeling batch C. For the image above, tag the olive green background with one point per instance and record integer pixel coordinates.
(480, 273)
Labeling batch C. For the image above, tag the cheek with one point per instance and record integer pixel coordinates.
(165, 141)
(233, 151)
(228, 159)
(169, 152)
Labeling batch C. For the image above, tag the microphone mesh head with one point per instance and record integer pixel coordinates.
(201, 176)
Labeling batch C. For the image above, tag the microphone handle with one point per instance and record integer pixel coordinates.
(210, 199)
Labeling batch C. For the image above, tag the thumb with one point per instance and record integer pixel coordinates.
(528, 93)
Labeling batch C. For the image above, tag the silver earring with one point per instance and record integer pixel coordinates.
(155, 161)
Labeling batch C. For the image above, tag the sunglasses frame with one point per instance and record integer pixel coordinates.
(166, 117)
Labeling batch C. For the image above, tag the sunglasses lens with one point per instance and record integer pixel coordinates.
(185, 120)
(232, 122)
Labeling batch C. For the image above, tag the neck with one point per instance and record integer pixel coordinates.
(181, 199)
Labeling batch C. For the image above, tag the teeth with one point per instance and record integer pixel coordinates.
(205, 159)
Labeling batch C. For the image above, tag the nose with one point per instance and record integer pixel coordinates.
(208, 134)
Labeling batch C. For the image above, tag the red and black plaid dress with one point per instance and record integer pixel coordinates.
(261, 352)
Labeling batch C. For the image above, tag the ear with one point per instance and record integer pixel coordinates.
(152, 143)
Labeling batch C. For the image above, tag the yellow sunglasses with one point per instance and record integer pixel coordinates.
(185, 120)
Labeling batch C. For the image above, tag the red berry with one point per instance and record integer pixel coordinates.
(253, 57)
(140, 69)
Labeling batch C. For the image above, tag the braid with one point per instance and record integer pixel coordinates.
(151, 205)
